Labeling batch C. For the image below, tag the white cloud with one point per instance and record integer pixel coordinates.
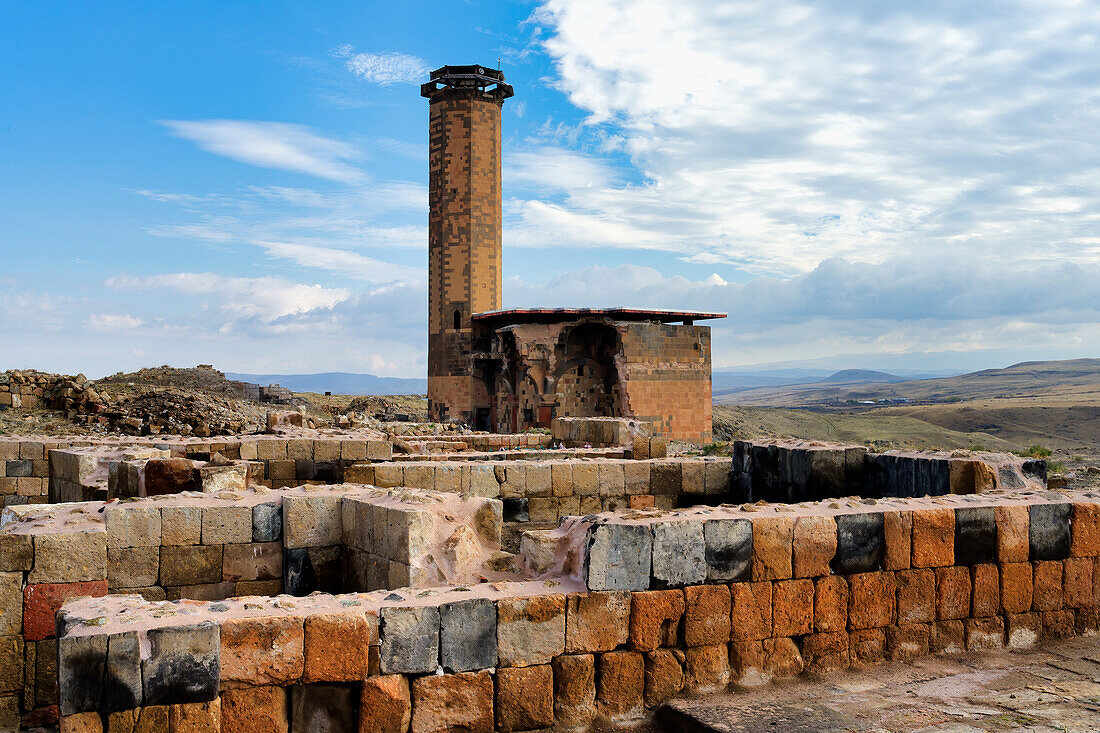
(272, 145)
(383, 68)
(112, 322)
(771, 135)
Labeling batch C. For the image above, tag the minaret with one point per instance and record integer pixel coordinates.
(464, 213)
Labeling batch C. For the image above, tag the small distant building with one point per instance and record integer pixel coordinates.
(507, 370)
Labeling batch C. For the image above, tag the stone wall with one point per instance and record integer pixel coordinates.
(712, 597)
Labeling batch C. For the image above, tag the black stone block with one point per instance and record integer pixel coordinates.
(1049, 531)
(975, 535)
(763, 472)
(328, 708)
(741, 488)
(468, 635)
(328, 471)
(939, 476)
(877, 472)
(515, 509)
(860, 541)
(742, 456)
(122, 677)
(19, 468)
(81, 661)
(728, 549)
(855, 470)
(184, 664)
(304, 469)
(905, 476)
(299, 577)
(800, 474)
(1036, 468)
(267, 522)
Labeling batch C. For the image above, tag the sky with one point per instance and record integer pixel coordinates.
(859, 184)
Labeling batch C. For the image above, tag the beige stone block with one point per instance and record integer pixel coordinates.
(132, 526)
(612, 478)
(223, 525)
(181, 525)
(132, 567)
(69, 557)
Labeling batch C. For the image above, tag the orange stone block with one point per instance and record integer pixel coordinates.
(772, 548)
(654, 618)
(1047, 595)
(1023, 630)
(1077, 586)
(907, 642)
(707, 618)
(826, 652)
(1058, 624)
(948, 637)
(1016, 587)
(831, 604)
(986, 598)
(782, 657)
(916, 596)
(872, 600)
(385, 704)
(452, 702)
(706, 668)
(664, 675)
(621, 684)
(793, 607)
(575, 689)
(898, 530)
(933, 538)
(525, 698)
(255, 710)
(196, 717)
(747, 663)
(1086, 530)
(867, 646)
(1087, 621)
(266, 650)
(1013, 523)
(814, 546)
(952, 593)
(336, 646)
(596, 621)
(985, 633)
(752, 611)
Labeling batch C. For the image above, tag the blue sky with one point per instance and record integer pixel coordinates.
(245, 184)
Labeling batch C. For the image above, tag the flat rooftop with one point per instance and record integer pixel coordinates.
(554, 315)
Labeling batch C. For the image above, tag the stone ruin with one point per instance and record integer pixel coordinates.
(322, 581)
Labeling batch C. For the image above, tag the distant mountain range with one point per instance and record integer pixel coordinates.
(342, 383)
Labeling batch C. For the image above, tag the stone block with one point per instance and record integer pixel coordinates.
(707, 615)
(747, 664)
(985, 600)
(190, 565)
(1013, 524)
(16, 552)
(267, 522)
(826, 652)
(385, 704)
(222, 525)
(1047, 593)
(597, 621)
(975, 535)
(678, 554)
(309, 569)
(1048, 531)
(985, 633)
(619, 557)
(81, 664)
(11, 603)
(410, 640)
(948, 637)
(1085, 541)
(1023, 630)
(717, 479)
(1058, 624)
(692, 477)
(42, 601)
(814, 546)
(12, 657)
(636, 475)
(793, 607)
(336, 646)
(772, 546)
(133, 567)
(311, 521)
(254, 561)
(453, 702)
(183, 666)
(169, 476)
(953, 593)
(916, 596)
(782, 657)
(867, 646)
(132, 526)
(196, 717)
(255, 710)
(574, 689)
(388, 476)
(122, 681)
(907, 642)
(728, 549)
(933, 538)
(655, 619)
(1016, 587)
(666, 477)
(263, 650)
(620, 684)
(706, 668)
(897, 530)
(871, 600)
(181, 525)
(530, 630)
(752, 611)
(830, 604)
(525, 698)
(468, 635)
(69, 557)
(1077, 586)
(323, 708)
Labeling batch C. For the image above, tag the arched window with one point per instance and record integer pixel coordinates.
(458, 320)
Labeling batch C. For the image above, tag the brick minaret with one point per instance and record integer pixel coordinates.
(464, 242)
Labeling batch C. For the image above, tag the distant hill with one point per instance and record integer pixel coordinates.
(860, 376)
(342, 383)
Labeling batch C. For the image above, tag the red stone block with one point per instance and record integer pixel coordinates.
(952, 593)
(1086, 530)
(898, 530)
(933, 537)
(1077, 582)
(1058, 624)
(872, 600)
(1016, 587)
(867, 646)
(42, 601)
(907, 642)
(707, 620)
(654, 618)
(985, 633)
(948, 637)
(831, 604)
(916, 596)
(986, 598)
(1047, 593)
(793, 607)
(826, 652)
(782, 657)
(752, 611)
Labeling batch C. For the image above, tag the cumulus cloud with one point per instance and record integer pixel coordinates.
(272, 145)
(773, 135)
(112, 322)
(383, 68)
